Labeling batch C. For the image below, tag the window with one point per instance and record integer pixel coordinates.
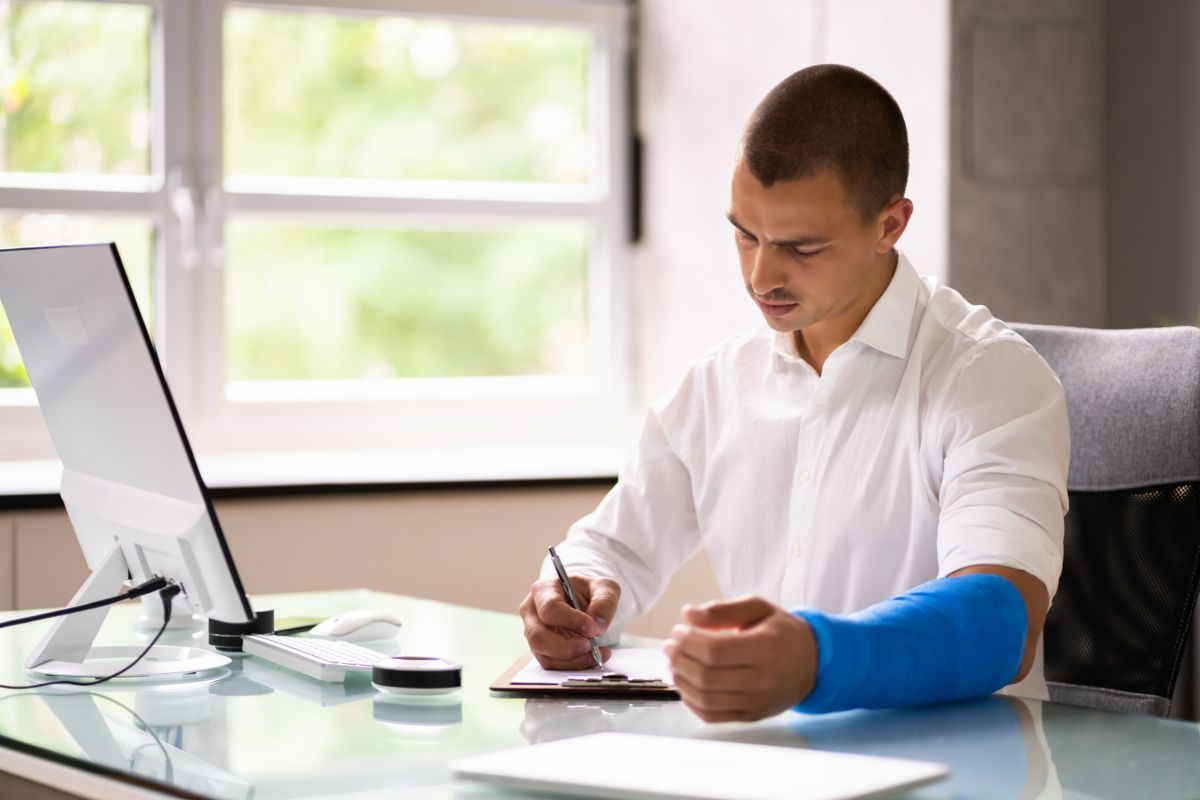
(352, 223)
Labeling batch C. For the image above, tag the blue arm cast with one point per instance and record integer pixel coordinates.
(947, 639)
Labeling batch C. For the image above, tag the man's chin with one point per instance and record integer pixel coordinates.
(785, 324)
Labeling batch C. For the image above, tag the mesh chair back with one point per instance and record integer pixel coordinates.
(1117, 628)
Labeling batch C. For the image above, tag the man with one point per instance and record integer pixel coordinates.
(884, 459)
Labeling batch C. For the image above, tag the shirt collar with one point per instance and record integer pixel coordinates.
(889, 321)
(887, 325)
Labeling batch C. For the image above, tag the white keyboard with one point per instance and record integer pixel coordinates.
(323, 659)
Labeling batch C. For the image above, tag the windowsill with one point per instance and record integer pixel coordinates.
(35, 483)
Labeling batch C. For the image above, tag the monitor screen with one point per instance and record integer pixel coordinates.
(129, 474)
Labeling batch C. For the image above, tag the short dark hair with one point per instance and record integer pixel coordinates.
(832, 117)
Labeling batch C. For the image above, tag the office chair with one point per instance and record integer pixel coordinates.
(1117, 629)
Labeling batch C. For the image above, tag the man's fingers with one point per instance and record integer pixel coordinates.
(554, 610)
(710, 702)
(577, 664)
(602, 607)
(565, 664)
(740, 613)
(716, 648)
(555, 643)
(721, 679)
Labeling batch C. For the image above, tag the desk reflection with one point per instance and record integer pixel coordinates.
(1098, 754)
(145, 740)
(994, 746)
(548, 719)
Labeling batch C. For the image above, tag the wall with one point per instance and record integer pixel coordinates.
(1075, 173)
(1152, 149)
(477, 548)
(1027, 222)
(906, 47)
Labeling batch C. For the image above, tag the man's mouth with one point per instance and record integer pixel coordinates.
(775, 309)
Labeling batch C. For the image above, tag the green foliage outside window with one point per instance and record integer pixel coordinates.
(313, 94)
(74, 87)
(309, 302)
(12, 371)
(318, 94)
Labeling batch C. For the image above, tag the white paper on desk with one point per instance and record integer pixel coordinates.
(636, 662)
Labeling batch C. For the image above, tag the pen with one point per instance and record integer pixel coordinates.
(570, 593)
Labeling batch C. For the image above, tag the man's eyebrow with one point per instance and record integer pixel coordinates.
(732, 221)
(802, 241)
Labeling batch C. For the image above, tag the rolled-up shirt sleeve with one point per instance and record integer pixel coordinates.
(644, 529)
(1006, 446)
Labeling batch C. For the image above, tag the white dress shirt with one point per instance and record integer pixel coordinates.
(934, 439)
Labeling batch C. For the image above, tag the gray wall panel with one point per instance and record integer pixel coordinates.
(1026, 179)
(1152, 123)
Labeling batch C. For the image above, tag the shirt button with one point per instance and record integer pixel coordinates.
(797, 549)
(818, 404)
(804, 476)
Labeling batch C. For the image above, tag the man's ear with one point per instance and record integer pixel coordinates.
(893, 220)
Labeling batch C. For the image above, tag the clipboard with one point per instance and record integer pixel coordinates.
(610, 685)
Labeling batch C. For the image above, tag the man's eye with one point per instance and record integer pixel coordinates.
(742, 236)
(804, 253)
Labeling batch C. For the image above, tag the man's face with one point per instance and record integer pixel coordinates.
(804, 248)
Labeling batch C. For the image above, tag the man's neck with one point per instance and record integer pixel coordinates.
(816, 342)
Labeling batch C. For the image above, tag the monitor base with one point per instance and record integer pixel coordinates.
(66, 651)
(162, 662)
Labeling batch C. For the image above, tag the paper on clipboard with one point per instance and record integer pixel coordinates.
(648, 676)
(638, 663)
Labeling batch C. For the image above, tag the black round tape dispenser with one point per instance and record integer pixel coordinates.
(416, 675)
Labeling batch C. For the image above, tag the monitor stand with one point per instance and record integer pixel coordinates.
(67, 650)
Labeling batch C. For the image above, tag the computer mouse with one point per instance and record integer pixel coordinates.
(359, 625)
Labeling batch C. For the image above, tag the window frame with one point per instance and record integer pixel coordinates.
(188, 200)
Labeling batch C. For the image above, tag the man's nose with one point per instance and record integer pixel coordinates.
(767, 273)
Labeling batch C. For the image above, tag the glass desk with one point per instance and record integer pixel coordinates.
(265, 733)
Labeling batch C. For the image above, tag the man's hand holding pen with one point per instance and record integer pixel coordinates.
(560, 636)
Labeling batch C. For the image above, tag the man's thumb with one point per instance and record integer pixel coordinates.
(603, 604)
(739, 613)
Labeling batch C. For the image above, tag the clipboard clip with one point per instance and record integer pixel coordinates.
(612, 680)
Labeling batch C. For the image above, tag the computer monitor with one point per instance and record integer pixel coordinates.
(130, 482)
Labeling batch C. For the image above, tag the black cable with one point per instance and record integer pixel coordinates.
(167, 594)
(152, 585)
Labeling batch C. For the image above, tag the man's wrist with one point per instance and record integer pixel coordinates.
(809, 659)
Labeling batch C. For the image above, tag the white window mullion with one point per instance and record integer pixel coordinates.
(610, 303)
(540, 12)
(188, 140)
(172, 80)
(210, 150)
(75, 201)
(414, 205)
